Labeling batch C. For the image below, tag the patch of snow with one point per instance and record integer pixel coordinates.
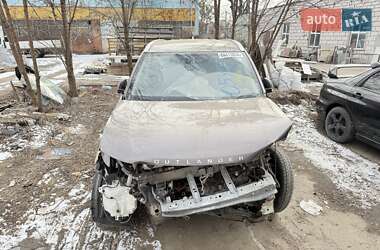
(47, 177)
(7, 59)
(5, 155)
(79, 129)
(60, 76)
(347, 170)
(40, 136)
(52, 69)
(66, 223)
(45, 61)
(77, 190)
(34, 136)
(7, 74)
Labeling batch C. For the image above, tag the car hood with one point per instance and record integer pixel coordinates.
(192, 132)
(337, 81)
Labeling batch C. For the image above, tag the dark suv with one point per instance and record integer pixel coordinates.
(351, 109)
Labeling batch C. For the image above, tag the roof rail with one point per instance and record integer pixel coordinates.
(241, 48)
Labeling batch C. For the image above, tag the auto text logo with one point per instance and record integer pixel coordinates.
(325, 19)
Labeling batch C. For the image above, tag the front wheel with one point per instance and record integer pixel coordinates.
(282, 171)
(339, 126)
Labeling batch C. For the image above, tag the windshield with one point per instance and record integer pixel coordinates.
(194, 76)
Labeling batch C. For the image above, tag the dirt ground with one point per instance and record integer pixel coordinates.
(44, 202)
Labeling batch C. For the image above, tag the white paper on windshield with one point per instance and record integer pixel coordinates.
(229, 54)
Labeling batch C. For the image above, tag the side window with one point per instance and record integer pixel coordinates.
(373, 83)
(357, 40)
(315, 37)
(285, 33)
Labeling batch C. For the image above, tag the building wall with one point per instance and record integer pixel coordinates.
(174, 11)
(86, 34)
(342, 39)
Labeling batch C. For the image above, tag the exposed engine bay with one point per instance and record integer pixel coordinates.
(172, 191)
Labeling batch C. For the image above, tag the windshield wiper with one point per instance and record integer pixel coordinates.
(186, 98)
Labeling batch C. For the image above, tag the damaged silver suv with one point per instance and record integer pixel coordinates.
(192, 133)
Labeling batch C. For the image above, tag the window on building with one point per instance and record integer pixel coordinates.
(357, 40)
(315, 37)
(285, 33)
(373, 83)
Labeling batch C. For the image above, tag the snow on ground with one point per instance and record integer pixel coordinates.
(348, 170)
(53, 66)
(5, 155)
(35, 137)
(66, 223)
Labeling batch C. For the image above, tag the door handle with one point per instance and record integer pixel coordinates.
(358, 95)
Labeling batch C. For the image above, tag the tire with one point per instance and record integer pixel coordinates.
(282, 171)
(339, 126)
(99, 215)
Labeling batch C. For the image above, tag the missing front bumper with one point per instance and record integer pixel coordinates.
(256, 191)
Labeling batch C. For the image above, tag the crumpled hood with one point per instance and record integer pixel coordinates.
(192, 132)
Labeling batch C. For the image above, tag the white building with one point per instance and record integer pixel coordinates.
(363, 46)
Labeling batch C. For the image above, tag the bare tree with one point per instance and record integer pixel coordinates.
(65, 13)
(267, 21)
(205, 13)
(33, 53)
(238, 8)
(124, 18)
(68, 54)
(271, 26)
(7, 23)
(127, 9)
(216, 18)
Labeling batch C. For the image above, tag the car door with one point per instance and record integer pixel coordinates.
(366, 107)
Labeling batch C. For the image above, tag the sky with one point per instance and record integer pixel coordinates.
(225, 6)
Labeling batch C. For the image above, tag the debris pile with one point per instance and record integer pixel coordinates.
(19, 131)
(293, 97)
(97, 67)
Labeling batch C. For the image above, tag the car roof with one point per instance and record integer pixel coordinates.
(193, 45)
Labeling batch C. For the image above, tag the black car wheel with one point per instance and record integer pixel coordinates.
(339, 126)
(282, 171)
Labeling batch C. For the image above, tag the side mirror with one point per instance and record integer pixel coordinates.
(267, 85)
(332, 75)
(121, 87)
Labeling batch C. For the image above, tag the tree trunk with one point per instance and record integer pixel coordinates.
(216, 18)
(73, 91)
(33, 53)
(233, 28)
(255, 47)
(6, 21)
(126, 14)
